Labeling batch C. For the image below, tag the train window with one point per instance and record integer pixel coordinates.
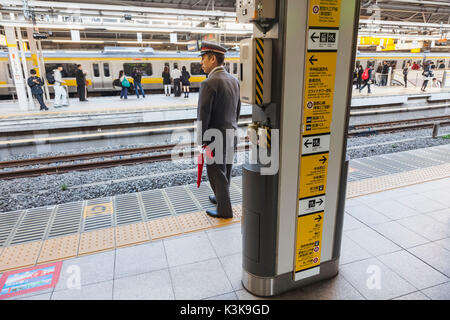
(146, 68)
(9, 71)
(106, 72)
(196, 68)
(227, 66)
(96, 70)
(235, 68)
(68, 70)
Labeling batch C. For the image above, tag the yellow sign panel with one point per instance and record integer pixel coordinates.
(309, 237)
(319, 90)
(324, 13)
(313, 175)
(96, 209)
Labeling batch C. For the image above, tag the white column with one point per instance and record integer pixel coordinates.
(36, 61)
(16, 68)
(25, 68)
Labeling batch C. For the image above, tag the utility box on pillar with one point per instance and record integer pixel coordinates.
(292, 216)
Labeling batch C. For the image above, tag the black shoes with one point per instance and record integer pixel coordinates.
(214, 214)
(213, 199)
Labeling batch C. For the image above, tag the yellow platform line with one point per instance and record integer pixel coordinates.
(89, 111)
(397, 180)
(156, 229)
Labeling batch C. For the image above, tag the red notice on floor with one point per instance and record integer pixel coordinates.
(28, 280)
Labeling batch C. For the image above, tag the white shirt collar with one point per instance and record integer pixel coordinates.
(216, 69)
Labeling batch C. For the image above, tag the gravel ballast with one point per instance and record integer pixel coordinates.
(55, 189)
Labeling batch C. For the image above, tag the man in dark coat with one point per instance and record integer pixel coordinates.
(384, 74)
(36, 84)
(81, 83)
(219, 106)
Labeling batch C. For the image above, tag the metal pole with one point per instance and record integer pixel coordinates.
(16, 68)
(31, 104)
(42, 68)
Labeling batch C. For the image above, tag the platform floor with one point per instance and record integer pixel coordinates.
(396, 222)
(396, 90)
(10, 109)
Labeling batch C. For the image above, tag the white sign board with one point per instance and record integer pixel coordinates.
(75, 35)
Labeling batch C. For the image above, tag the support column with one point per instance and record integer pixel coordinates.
(16, 68)
(31, 104)
(37, 61)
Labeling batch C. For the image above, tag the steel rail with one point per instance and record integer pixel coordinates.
(26, 173)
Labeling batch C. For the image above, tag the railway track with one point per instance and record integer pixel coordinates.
(33, 172)
(398, 125)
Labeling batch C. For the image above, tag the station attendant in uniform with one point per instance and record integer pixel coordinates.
(219, 107)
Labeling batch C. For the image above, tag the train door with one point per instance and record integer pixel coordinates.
(102, 76)
(107, 75)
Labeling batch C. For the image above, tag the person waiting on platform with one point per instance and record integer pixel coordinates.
(175, 74)
(81, 83)
(405, 74)
(367, 75)
(166, 81)
(36, 84)
(60, 92)
(125, 85)
(435, 83)
(378, 74)
(185, 81)
(384, 74)
(359, 73)
(427, 76)
(137, 78)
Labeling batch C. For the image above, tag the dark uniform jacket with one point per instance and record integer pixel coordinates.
(35, 87)
(219, 104)
(81, 80)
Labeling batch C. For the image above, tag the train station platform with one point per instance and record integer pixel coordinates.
(9, 109)
(160, 244)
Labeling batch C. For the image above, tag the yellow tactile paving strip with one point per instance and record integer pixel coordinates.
(193, 222)
(96, 241)
(20, 256)
(59, 248)
(25, 255)
(163, 228)
(403, 179)
(131, 234)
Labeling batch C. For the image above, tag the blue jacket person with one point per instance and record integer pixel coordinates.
(218, 108)
(36, 84)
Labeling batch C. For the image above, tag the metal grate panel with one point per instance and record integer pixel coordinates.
(8, 221)
(181, 200)
(155, 204)
(67, 220)
(33, 226)
(202, 195)
(99, 221)
(127, 209)
(235, 194)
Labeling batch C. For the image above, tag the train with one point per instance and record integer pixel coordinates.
(103, 66)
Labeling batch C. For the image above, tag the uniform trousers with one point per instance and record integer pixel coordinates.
(219, 176)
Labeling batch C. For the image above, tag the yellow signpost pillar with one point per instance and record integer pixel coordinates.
(292, 222)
